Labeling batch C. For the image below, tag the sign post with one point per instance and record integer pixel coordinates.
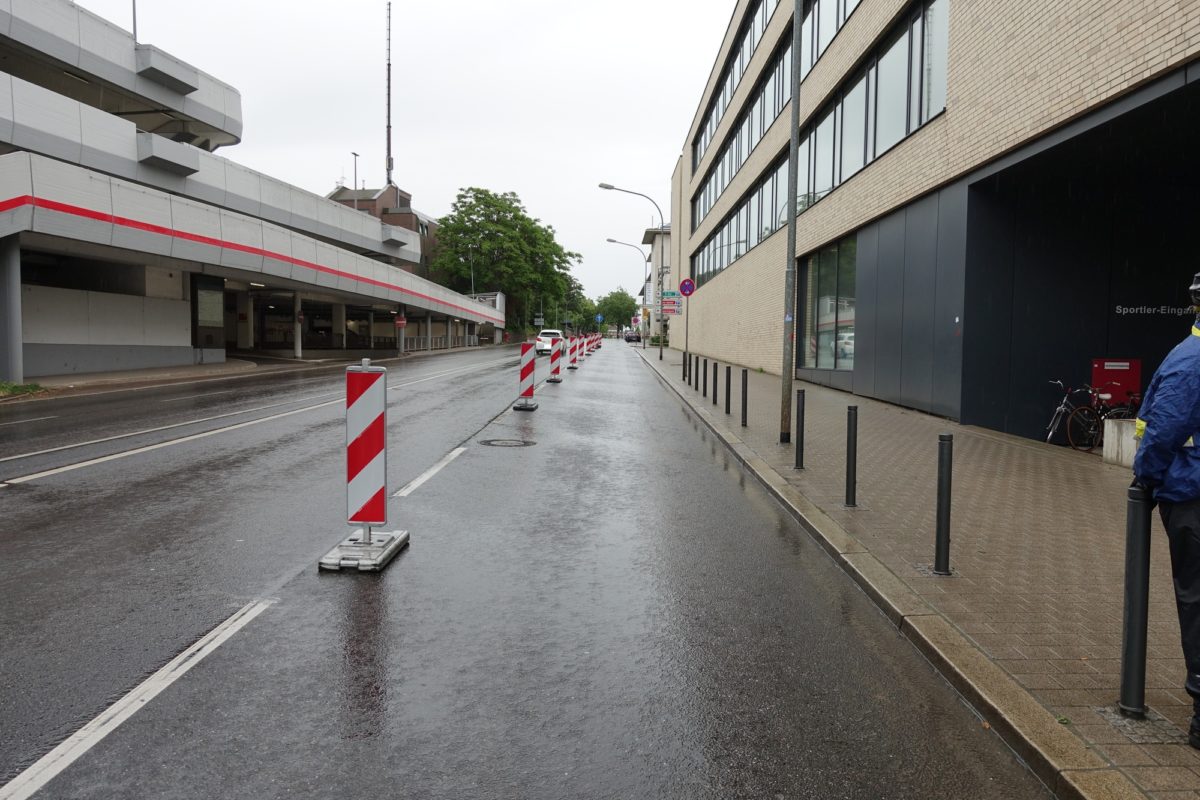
(366, 475)
(686, 287)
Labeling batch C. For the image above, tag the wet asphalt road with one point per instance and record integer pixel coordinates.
(614, 611)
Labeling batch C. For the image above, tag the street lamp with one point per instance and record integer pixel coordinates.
(643, 280)
(354, 188)
(662, 232)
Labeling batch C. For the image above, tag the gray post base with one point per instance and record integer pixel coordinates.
(352, 553)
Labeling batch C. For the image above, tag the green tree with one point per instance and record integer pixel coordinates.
(617, 308)
(490, 240)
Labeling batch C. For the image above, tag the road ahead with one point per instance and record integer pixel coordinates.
(597, 602)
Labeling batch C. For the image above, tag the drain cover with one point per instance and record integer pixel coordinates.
(506, 443)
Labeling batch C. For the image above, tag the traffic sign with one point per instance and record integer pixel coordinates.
(686, 287)
(599, 318)
(670, 294)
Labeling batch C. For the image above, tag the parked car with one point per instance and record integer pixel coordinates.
(633, 336)
(544, 339)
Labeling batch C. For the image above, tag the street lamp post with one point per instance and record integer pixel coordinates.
(643, 280)
(354, 188)
(662, 232)
(789, 276)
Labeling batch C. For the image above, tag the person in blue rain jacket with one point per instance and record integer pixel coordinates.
(1167, 466)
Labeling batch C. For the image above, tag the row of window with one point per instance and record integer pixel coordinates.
(902, 86)
(828, 287)
(770, 99)
(755, 24)
(822, 20)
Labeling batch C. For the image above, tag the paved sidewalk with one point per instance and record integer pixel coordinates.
(1028, 627)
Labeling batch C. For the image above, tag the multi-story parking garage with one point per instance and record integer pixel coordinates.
(990, 196)
(128, 243)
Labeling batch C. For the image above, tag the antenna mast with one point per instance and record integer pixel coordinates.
(389, 94)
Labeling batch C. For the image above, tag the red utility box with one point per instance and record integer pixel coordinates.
(1125, 373)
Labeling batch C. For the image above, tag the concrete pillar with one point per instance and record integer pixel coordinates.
(339, 325)
(12, 362)
(298, 349)
(245, 329)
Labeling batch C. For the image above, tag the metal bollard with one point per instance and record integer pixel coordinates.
(799, 429)
(695, 369)
(704, 379)
(728, 386)
(1137, 603)
(941, 553)
(851, 454)
(685, 363)
(714, 383)
(745, 384)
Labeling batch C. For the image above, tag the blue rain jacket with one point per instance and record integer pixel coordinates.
(1167, 459)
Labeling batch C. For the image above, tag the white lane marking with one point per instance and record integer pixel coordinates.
(429, 473)
(234, 414)
(23, 421)
(61, 757)
(170, 443)
(194, 396)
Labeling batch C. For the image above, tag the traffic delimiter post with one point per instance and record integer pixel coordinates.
(704, 380)
(1132, 702)
(941, 554)
(799, 429)
(714, 394)
(728, 386)
(366, 475)
(851, 455)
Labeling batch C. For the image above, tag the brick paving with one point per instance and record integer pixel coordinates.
(1037, 554)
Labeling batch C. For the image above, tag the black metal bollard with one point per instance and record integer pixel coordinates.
(704, 379)
(799, 429)
(941, 553)
(715, 383)
(1137, 603)
(695, 369)
(851, 455)
(685, 363)
(745, 384)
(728, 386)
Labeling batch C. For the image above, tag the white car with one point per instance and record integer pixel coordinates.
(544, 338)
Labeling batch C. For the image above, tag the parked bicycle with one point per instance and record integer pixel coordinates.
(1085, 420)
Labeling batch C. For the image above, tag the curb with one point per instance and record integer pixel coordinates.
(1059, 758)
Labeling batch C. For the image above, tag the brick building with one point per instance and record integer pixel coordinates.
(990, 196)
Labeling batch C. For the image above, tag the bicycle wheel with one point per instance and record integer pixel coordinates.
(1084, 428)
(1120, 412)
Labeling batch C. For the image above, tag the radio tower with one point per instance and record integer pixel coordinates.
(389, 95)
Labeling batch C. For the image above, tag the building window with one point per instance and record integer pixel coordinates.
(891, 111)
(829, 288)
(869, 115)
(854, 129)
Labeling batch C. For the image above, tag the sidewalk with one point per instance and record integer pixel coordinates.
(1028, 627)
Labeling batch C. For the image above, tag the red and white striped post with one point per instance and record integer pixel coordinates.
(525, 401)
(573, 350)
(555, 361)
(366, 473)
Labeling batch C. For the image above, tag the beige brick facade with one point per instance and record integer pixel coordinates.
(1015, 73)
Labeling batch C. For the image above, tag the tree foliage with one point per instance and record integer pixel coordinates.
(617, 307)
(491, 238)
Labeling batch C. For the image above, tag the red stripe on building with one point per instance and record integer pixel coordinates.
(125, 222)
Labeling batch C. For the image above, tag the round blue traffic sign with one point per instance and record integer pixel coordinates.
(686, 287)
(599, 318)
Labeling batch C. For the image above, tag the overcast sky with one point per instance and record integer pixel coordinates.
(545, 98)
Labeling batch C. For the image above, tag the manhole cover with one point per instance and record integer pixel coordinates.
(506, 443)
